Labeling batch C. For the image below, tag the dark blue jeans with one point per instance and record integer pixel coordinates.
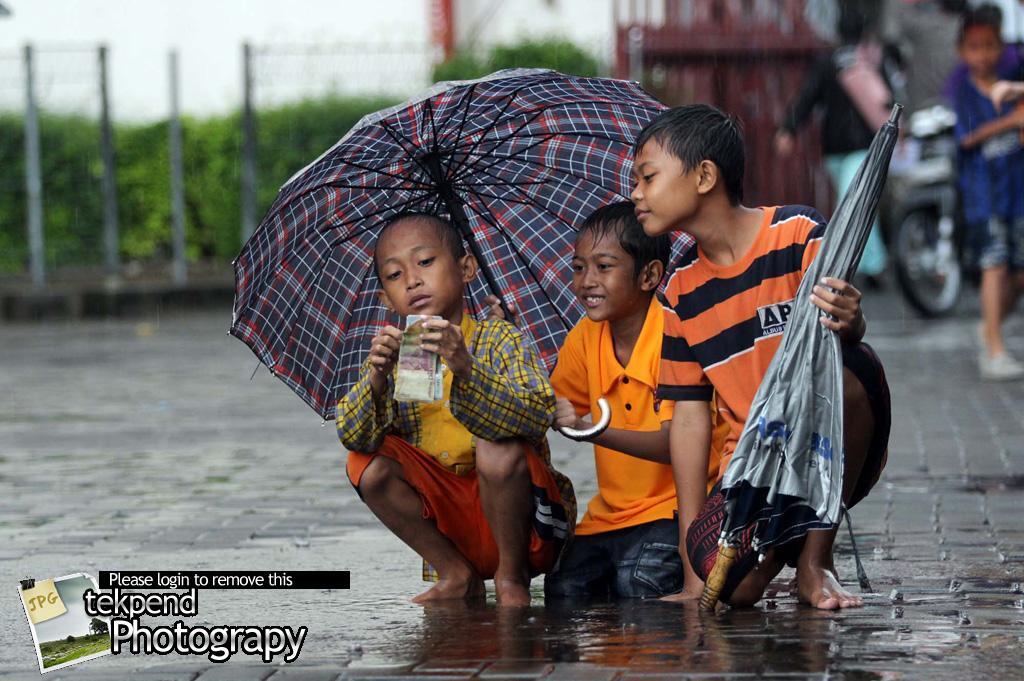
(636, 562)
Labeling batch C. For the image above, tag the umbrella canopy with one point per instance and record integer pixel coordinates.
(515, 160)
(786, 476)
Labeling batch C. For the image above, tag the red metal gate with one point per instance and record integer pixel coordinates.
(747, 57)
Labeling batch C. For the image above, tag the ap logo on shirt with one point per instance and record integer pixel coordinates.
(774, 317)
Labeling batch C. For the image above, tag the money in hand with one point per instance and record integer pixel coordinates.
(419, 377)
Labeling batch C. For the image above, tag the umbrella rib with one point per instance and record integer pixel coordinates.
(556, 175)
(337, 374)
(489, 219)
(539, 206)
(466, 169)
(395, 136)
(399, 208)
(537, 112)
(343, 185)
(465, 112)
(525, 183)
(422, 185)
(429, 108)
(482, 195)
(456, 170)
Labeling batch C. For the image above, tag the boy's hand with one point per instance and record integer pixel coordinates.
(383, 355)
(1017, 115)
(494, 309)
(843, 303)
(1005, 90)
(445, 338)
(565, 415)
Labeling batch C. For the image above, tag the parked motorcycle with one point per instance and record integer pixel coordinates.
(926, 236)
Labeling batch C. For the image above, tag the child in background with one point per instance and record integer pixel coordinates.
(992, 184)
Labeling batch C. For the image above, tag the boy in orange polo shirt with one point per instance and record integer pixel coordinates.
(627, 544)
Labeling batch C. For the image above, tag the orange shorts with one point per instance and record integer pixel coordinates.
(453, 503)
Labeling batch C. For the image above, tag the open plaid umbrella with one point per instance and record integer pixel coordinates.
(516, 160)
(786, 476)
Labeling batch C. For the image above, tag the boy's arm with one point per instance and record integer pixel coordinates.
(690, 445)
(363, 416)
(506, 394)
(1011, 121)
(649, 445)
(834, 296)
(569, 381)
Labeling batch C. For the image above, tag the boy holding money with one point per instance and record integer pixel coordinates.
(465, 481)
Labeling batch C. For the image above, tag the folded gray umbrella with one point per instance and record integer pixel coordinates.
(786, 476)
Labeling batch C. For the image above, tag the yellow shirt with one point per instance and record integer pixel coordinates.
(631, 491)
(443, 437)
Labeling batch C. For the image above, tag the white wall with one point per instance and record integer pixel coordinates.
(207, 33)
(589, 23)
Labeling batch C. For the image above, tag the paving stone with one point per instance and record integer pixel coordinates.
(236, 673)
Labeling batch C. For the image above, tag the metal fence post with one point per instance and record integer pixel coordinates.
(248, 147)
(111, 241)
(33, 180)
(636, 53)
(179, 270)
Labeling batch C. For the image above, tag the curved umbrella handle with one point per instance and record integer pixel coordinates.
(593, 431)
(716, 580)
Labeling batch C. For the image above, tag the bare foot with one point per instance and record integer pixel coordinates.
(513, 593)
(684, 595)
(452, 588)
(819, 587)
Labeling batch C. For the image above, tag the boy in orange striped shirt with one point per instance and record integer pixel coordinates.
(727, 304)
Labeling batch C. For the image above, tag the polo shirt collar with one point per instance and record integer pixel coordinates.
(646, 358)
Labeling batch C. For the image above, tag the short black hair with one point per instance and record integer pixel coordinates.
(983, 15)
(619, 220)
(698, 132)
(446, 232)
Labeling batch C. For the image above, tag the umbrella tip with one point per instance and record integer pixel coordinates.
(897, 111)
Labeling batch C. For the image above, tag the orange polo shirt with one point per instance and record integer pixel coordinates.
(631, 491)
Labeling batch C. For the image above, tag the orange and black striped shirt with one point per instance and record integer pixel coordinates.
(723, 324)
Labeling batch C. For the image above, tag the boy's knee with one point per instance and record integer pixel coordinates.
(498, 461)
(855, 395)
(376, 476)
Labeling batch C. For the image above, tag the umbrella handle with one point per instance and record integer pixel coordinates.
(593, 431)
(716, 580)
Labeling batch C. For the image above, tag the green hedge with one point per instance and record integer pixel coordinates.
(549, 53)
(289, 137)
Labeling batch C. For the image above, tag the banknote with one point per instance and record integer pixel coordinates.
(419, 377)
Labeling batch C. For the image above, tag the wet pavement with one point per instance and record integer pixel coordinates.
(144, 445)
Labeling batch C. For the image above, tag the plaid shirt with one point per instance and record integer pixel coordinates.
(506, 395)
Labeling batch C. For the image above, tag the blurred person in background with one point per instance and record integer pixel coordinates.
(854, 87)
(922, 31)
(991, 172)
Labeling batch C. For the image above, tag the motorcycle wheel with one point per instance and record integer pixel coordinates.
(926, 262)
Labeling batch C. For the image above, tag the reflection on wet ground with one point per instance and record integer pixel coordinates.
(941, 627)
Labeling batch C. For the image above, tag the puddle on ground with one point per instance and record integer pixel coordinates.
(785, 638)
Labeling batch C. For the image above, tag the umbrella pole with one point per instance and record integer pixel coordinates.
(458, 215)
(716, 580)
